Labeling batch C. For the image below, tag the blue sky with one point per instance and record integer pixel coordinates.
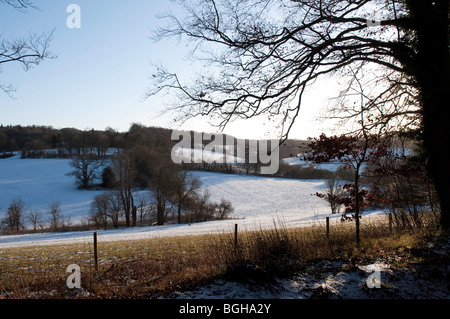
(100, 75)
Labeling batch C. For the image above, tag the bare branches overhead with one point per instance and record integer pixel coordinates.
(261, 55)
(27, 51)
(20, 5)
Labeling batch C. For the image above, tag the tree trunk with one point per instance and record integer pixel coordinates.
(160, 207)
(134, 214)
(357, 206)
(437, 146)
(125, 203)
(433, 79)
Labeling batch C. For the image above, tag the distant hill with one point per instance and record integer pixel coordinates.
(37, 138)
(27, 138)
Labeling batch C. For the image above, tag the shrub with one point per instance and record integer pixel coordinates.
(108, 178)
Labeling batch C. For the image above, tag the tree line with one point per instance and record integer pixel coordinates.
(37, 141)
(17, 216)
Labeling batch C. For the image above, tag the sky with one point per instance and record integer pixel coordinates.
(101, 71)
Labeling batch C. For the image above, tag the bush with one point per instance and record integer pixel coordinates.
(402, 219)
(400, 184)
(199, 208)
(108, 178)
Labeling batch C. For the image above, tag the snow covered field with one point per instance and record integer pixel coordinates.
(38, 182)
(258, 202)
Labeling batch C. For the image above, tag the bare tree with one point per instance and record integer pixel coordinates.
(186, 184)
(143, 207)
(116, 211)
(201, 207)
(28, 51)
(100, 209)
(224, 209)
(106, 206)
(335, 190)
(56, 217)
(162, 177)
(86, 168)
(35, 218)
(162, 187)
(13, 221)
(123, 166)
(261, 55)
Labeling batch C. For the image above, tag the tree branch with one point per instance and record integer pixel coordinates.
(268, 58)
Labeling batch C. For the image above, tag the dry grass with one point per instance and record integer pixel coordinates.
(127, 269)
(157, 267)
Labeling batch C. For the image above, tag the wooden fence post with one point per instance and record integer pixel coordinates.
(95, 252)
(328, 227)
(390, 222)
(235, 236)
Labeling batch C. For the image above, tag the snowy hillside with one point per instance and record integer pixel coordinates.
(38, 182)
(258, 201)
